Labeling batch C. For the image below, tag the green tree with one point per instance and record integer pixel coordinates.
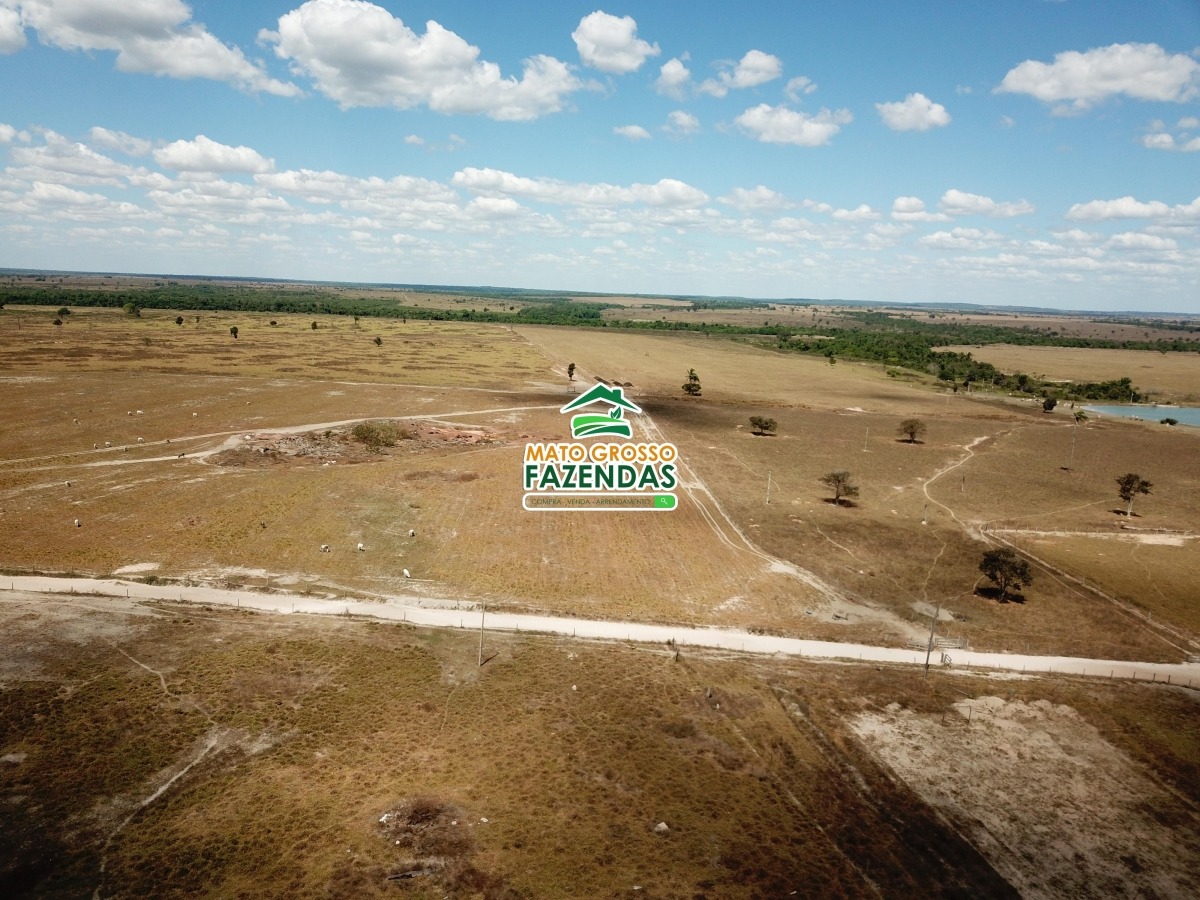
(841, 484)
(314, 326)
(761, 425)
(692, 386)
(913, 428)
(571, 371)
(132, 309)
(1006, 569)
(1129, 486)
(63, 312)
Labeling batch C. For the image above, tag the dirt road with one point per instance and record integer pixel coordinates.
(449, 613)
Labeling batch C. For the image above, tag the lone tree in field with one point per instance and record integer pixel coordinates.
(314, 326)
(571, 371)
(63, 312)
(913, 428)
(233, 331)
(1048, 404)
(179, 320)
(841, 485)
(1129, 486)
(761, 425)
(692, 387)
(1006, 569)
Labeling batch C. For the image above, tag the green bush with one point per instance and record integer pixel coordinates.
(378, 435)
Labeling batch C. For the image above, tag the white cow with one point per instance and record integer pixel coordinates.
(361, 547)
(406, 575)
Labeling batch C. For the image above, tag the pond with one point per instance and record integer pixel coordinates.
(1187, 415)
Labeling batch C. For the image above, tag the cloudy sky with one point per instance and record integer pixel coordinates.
(1026, 152)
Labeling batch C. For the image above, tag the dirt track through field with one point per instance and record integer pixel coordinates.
(448, 613)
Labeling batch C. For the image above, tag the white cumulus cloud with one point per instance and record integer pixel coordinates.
(359, 54)
(758, 197)
(673, 78)
(1120, 208)
(633, 132)
(681, 123)
(916, 112)
(1140, 71)
(798, 86)
(1136, 240)
(781, 125)
(666, 193)
(611, 44)
(12, 32)
(751, 70)
(959, 203)
(119, 141)
(912, 209)
(156, 37)
(206, 155)
(860, 213)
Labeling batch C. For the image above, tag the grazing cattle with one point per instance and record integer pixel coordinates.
(324, 548)
(406, 575)
(412, 532)
(108, 443)
(361, 547)
(138, 413)
(68, 484)
(141, 440)
(195, 414)
(76, 421)
(78, 524)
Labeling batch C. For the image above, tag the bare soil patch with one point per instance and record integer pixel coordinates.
(1057, 809)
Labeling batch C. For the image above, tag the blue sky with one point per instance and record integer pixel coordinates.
(1027, 152)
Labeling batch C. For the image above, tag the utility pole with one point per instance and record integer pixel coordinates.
(768, 489)
(482, 615)
(865, 436)
(929, 646)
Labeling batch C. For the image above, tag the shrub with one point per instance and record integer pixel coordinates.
(376, 435)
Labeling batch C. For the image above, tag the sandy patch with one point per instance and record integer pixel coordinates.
(1055, 808)
(135, 568)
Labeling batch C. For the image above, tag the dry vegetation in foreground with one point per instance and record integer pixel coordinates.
(342, 752)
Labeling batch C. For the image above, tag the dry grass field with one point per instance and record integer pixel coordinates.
(1171, 377)
(318, 758)
(245, 467)
(314, 758)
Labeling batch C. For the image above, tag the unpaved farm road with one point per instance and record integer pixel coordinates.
(444, 614)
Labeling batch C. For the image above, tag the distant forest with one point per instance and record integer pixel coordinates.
(901, 343)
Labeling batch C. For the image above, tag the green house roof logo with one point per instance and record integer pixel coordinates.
(592, 424)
